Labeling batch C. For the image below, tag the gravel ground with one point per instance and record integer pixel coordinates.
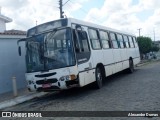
(122, 92)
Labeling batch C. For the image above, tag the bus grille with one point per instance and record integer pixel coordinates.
(40, 82)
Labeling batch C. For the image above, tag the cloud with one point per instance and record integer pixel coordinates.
(153, 24)
(25, 13)
(118, 14)
(123, 15)
(13, 4)
(109, 9)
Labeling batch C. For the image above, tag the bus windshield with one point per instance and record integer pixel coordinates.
(51, 50)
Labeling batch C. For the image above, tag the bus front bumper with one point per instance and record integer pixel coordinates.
(48, 85)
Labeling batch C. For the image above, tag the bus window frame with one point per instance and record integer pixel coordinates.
(98, 36)
(109, 41)
(113, 40)
(121, 41)
(134, 41)
(124, 35)
(131, 41)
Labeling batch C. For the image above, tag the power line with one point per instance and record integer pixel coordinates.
(68, 7)
(83, 10)
(66, 2)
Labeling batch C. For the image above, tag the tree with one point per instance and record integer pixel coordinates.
(155, 48)
(145, 44)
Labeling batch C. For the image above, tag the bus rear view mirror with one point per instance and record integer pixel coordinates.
(19, 50)
(19, 47)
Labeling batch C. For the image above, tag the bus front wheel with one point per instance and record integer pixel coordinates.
(99, 78)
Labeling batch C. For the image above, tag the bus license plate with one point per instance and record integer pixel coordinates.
(46, 85)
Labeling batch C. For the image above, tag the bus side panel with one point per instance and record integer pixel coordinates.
(86, 76)
(97, 57)
(125, 64)
(124, 58)
(109, 69)
(108, 61)
(136, 60)
(90, 78)
(81, 79)
(117, 60)
(131, 52)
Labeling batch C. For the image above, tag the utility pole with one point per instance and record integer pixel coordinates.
(36, 22)
(154, 33)
(61, 10)
(139, 31)
(0, 9)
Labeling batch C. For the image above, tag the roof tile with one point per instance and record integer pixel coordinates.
(13, 32)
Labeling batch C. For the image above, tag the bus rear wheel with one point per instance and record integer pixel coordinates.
(131, 66)
(99, 78)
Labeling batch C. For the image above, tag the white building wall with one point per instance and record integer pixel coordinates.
(11, 64)
(2, 25)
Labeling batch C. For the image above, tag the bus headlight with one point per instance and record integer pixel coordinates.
(30, 82)
(64, 78)
(68, 77)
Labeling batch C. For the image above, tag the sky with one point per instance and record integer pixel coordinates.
(125, 15)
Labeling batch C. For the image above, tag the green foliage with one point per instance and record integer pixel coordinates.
(145, 44)
(155, 48)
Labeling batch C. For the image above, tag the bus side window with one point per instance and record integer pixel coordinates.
(93, 34)
(76, 44)
(135, 42)
(126, 41)
(120, 39)
(114, 41)
(82, 35)
(81, 43)
(131, 42)
(104, 39)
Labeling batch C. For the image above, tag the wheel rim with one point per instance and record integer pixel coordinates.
(99, 78)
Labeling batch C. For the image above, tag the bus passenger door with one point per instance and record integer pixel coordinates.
(83, 54)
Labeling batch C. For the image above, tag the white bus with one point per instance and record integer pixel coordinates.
(68, 53)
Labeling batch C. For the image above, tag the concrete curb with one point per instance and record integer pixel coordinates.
(19, 100)
(141, 64)
(144, 63)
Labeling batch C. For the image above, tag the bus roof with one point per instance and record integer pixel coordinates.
(67, 22)
(89, 24)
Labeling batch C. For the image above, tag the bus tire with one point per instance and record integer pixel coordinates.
(99, 78)
(131, 66)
